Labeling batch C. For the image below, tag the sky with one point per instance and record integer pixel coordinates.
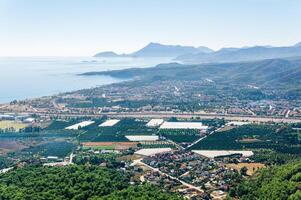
(85, 27)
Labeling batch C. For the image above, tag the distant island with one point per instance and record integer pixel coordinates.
(108, 54)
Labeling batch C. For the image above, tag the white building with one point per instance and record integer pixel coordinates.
(155, 122)
(109, 122)
(139, 138)
(81, 124)
(183, 125)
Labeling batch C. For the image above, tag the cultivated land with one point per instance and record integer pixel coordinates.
(110, 145)
(12, 124)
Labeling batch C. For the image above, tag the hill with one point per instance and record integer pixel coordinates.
(272, 72)
(242, 54)
(160, 50)
(108, 54)
(275, 183)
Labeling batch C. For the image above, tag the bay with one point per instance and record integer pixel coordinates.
(24, 77)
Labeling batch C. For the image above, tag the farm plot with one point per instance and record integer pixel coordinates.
(62, 124)
(274, 137)
(12, 125)
(216, 153)
(117, 132)
(53, 148)
(109, 145)
(180, 135)
(157, 144)
(10, 145)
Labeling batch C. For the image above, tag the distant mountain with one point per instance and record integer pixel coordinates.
(160, 50)
(242, 54)
(107, 54)
(203, 49)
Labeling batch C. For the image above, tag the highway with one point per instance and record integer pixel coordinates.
(149, 115)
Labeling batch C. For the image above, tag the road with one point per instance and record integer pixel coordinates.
(179, 115)
(204, 116)
(139, 162)
(197, 141)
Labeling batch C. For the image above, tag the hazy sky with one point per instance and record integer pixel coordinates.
(85, 27)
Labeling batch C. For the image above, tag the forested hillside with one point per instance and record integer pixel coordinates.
(73, 182)
(275, 183)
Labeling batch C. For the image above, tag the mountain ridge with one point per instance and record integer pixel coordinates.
(158, 50)
(242, 54)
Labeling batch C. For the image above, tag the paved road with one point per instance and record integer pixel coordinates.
(205, 116)
(197, 141)
(178, 115)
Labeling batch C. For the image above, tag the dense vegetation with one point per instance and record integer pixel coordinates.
(180, 135)
(5, 162)
(73, 182)
(144, 192)
(270, 157)
(84, 158)
(60, 149)
(274, 183)
(279, 138)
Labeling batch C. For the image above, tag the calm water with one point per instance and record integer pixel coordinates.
(22, 78)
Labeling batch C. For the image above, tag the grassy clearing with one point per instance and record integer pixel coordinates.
(12, 124)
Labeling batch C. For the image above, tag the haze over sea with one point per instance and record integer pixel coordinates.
(23, 78)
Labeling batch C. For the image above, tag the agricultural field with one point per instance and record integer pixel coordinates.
(157, 144)
(53, 148)
(275, 137)
(116, 133)
(46, 143)
(13, 126)
(10, 145)
(180, 135)
(59, 124)
(109, 145)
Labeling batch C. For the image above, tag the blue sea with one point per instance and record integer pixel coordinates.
(23, 78)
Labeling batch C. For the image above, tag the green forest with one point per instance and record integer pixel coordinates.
(274, 183)
(74, 182)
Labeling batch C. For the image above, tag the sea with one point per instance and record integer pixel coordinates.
(30, 77)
